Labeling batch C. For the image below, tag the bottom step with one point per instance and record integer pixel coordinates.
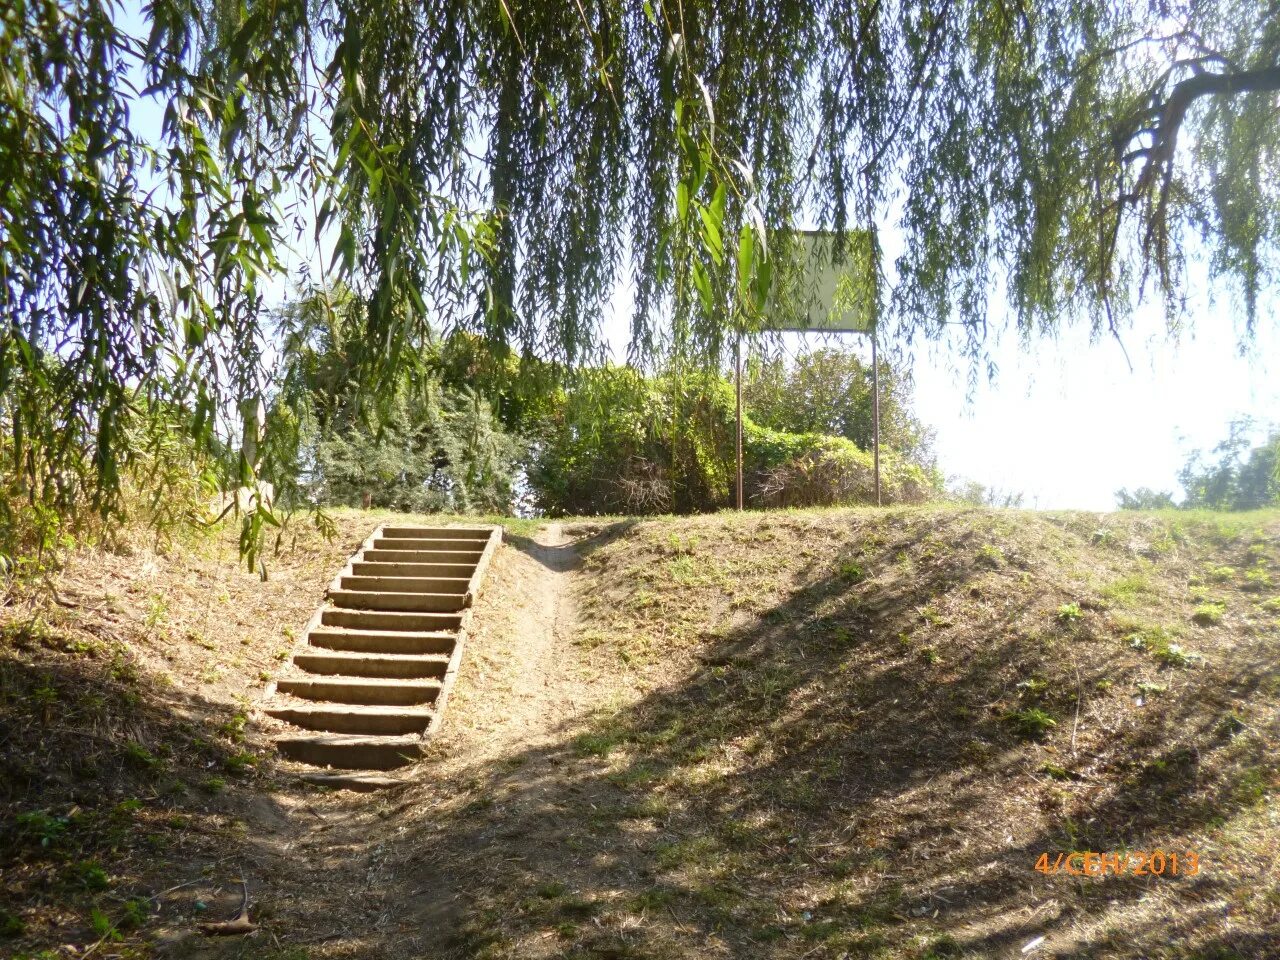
(359, 782)
(346, 752)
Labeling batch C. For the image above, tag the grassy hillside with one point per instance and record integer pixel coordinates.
(854, 734)
(815, 734)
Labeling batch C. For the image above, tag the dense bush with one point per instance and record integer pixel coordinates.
(422, 446)
(619, 442)
(821, 470)
(616, 441)
(829, 391)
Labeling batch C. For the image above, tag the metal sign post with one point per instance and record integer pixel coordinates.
(875, 411)
(737, 365)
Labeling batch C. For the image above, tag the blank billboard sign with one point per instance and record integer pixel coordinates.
(820, 287)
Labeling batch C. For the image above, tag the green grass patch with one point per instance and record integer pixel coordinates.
(89, 875)
(1126, 591)
(1161, 644)
(1070, 613)
(11, 925)
(1209, 613)
(851, 572)
(1030, 724)
(599, 743)
(1257, 580)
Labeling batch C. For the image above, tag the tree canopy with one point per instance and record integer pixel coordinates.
(1235, 475)
(497, 166)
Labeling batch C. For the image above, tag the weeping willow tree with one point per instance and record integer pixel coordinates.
(496, 167)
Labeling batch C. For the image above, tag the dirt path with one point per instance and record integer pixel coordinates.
(406, 874)
(508, 695)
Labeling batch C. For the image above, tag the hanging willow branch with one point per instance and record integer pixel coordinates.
(498, 167)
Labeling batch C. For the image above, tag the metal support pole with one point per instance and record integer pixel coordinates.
(737, 363)
(875, 411)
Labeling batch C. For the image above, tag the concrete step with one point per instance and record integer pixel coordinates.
(390, 620)
(356, 781)
(471, 547)
(406, 584)
(339, 718)
(374, 600)
(436, 533)
(361, 690)
(347, 752)
(371, 664)
(381, 641)
(363, 568)
(405, 555)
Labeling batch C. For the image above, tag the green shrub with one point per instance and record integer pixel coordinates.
(41, 828)
(616, 441)
(11, 925)
(1070, 613)
(1160, 643)
(90, 875)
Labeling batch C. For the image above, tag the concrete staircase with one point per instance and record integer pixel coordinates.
(381, 655)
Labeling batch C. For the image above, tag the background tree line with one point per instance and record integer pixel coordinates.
(461, 433)
(1238, 474)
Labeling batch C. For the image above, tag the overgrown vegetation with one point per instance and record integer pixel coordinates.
(617, 441)
(424, 446)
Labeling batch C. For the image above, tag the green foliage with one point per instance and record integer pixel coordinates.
(1241, 478)
(1209, 613)
(989, 555)
(1030, 724)
(140, 757)
(90, 875)
(493, 169)
(103, 927)
(422, 447)
(1144, 498)
(851, 571)
(1070, 613)
(1257, 580)
(978, 495)
(617, 441)
(829, 391)
(11, 925)
(1160, 643)
(41, 828)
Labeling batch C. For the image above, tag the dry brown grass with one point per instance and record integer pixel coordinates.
(816, 734)
(827, 735)
(129, 757)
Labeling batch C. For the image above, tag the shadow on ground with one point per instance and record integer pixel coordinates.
(114, 788)
(844, 772)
